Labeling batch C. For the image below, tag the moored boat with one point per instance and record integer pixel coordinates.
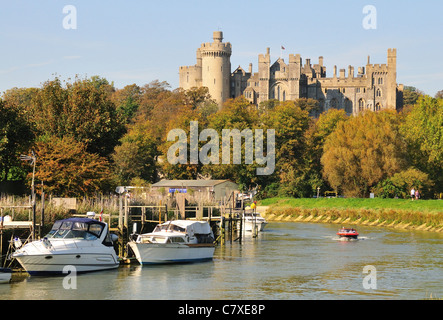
(175, 241)
(83, 243)
(253, 221)
(347, 233)
(5, 275)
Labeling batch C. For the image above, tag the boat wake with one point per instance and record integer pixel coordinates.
(343, 239)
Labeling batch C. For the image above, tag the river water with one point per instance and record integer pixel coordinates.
(286, 261)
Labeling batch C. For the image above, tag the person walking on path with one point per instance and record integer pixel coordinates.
(412, 193)
(417, 195)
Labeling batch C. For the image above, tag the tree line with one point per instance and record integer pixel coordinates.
(89, 137)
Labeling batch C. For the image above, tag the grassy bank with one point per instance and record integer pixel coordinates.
(400, 213)
(356, 203)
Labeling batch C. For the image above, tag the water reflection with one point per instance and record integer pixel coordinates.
(286, 261)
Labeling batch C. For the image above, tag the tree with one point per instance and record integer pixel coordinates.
(15, 137)
(181, 121)
(400, 183)
(136, 156)
(151, 95)
(423, 131)
(236, 114)
(68, 170)
(127, 101)
(316, 136)
(411, 95)
(82, 110)
(363, 151)
(290, 122)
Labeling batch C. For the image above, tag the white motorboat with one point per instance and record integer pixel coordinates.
(5, 275)
(175, 241)
(253, 221)
(83, 243)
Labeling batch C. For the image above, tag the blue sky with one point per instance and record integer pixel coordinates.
(140, 41)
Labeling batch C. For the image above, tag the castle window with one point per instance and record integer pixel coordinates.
(284, 95)
(358, 90)
(380, 80)
(378, 93)
(344, 90)
(378, 107)
(348, 106)
(361, 105)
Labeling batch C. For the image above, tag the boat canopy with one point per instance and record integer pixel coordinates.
(189, 226)
(79, 228)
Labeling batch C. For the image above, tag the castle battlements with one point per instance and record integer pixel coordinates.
(374, 86)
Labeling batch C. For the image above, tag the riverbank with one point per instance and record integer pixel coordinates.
(426, 215)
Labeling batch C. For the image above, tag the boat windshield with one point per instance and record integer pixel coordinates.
(75, 230)
(170, 227)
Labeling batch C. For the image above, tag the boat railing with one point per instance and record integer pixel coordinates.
(60, 243)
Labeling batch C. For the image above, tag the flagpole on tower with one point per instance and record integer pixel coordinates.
(281, 51)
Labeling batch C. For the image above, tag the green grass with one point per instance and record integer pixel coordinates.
(428, 206)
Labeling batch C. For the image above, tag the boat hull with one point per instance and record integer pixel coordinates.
(47, 264)
(250, 226)
(159, 253)
(354, 236)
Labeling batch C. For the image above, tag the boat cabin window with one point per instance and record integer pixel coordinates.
(176, 240)
(161, 239)
(75, 230)
(156, 239)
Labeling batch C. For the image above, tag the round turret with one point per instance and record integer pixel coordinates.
(216, 67)
(217, 36)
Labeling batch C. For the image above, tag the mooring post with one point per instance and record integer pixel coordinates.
(241, 224)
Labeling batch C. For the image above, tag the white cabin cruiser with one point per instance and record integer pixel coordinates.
(253, 221)
(80, 242)
(175, 241)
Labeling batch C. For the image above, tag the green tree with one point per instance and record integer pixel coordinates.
(127, 101)
(290, 122)
(402, 182)
(363, 151)
(235, 114)
(136, 156)
(423, 131)
(15, 137)
(316, 136)
(182, 120)
(411, 95)
(82, 110)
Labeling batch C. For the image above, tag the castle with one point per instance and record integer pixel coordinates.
(373, 88)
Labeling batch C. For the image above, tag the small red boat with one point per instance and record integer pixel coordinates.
(349, 233)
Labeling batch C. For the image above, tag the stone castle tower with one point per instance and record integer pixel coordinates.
(373, 88)
(213, 69)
